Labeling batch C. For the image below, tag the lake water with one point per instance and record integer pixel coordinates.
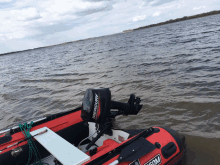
(174, 69)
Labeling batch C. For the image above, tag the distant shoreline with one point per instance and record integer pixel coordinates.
(35, 48)
(176, 20)
(130, 30)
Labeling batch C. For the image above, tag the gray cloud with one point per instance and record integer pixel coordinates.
(4, 5)
(162, 2)
(91, 11)
(97, 0)
(33, 18)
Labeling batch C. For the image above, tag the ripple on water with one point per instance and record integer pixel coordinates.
(175, 74)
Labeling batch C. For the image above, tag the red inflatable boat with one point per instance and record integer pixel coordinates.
(86, 136)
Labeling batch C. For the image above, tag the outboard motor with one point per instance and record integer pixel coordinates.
(97, 105)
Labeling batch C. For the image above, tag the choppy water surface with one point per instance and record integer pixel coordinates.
(174, 68)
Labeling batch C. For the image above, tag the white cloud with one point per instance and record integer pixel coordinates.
(167, 6)
(46, 22)
(25, 14)
(154, 2)
(16, 24)
(200, 7)
(71, 7)
(139, 18)
(156, 14)
(3, 1)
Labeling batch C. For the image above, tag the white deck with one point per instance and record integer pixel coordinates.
(61, 149)
(117, 135)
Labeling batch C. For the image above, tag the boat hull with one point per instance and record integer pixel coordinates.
(169, 145)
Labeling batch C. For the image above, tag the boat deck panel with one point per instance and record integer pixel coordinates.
(61, 149)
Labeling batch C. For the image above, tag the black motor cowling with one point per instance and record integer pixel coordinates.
(97, 105)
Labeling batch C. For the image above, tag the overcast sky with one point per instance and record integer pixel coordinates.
(27, 24)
